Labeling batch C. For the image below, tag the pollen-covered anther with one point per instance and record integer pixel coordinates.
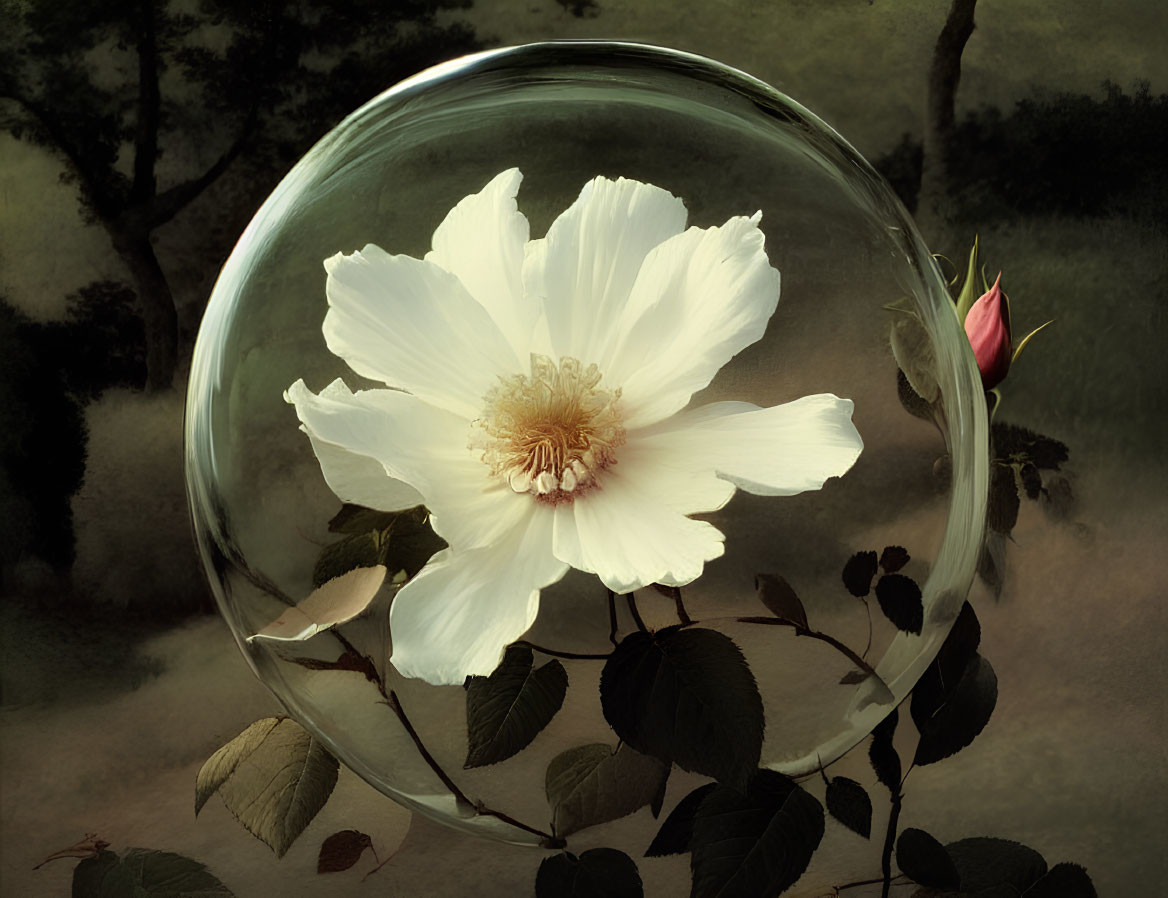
(552, 432)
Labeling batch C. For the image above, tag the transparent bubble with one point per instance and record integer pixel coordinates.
(727, 145)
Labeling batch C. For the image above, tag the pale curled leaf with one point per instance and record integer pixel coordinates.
(274, 778)
(592, 784)
(337, 601)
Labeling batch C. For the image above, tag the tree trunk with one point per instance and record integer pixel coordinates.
(940, 118)
(155, 304)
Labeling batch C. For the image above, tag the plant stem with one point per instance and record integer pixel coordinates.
(557, 653)
(674, 592)
(395, 705)
(635, 613)
(814, 634)
(612, 622)
(889, 841)
(861, 882)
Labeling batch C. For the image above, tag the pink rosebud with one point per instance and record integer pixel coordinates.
(988, 327)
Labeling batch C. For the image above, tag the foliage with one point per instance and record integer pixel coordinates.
(140, 873)
(1044, 157)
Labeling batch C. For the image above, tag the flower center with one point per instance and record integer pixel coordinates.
(550, 434)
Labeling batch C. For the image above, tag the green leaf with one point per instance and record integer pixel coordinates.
(1031, 480)
(858, 573)
(913, 350)
(1063, 881)
(342, 850)
(965, 713)
(754, 844)
(900, 600)
(1013, 442)
(848, 802)
(893, 558)
(274, 777)
(352, 519)
(592, 784)
(676, 832)
(958, 649)
(912, 401)
(882, 755)
(145, 874)
(508, 709)
(987, 863)
(780, 599)
(1002, 503)
(925, 861)
(357, 551)
(686, 696)
(991, 563)
(598, 873)
(970, 291)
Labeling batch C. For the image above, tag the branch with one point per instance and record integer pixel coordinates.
(170, 202)
(149, 107)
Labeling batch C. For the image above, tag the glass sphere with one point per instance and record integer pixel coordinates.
(727, 145)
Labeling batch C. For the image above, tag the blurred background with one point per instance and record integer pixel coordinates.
(138, 139)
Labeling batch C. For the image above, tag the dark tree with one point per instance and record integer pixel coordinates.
(113, 88)
(940, 116)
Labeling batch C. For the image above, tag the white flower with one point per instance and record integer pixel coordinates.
(537, 406)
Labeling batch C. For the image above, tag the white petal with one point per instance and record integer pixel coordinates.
(481, 242)
(700, 298)
(410, 324)
(423, 446)
(778, 451)
(629, 537)
(585, 268)
(454, 619)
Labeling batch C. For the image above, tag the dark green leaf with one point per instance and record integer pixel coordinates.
(274, 777)
(1002, 503)
(1021, 444)
(1031, 481)
(964, 714)
(985, 863)
(508, 709)
(593, 784)
(848, 802)
(754, 844)
(882, 755)
(341, 850)
(686, 696)
(1060, 498)
(335, 559)
(676, 832)
(854, 676)
(900, 600)
(893, 558)
(145, 874)
(352, 519)
(924, 860)
(776, 593)
(658, 801)
(958, 649)
(858, 573)
(910, 399)
(598, 873)
(1063, 881)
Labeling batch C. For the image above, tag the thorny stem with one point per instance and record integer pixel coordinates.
(391, 699)
(557, 653)
(635, 613)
